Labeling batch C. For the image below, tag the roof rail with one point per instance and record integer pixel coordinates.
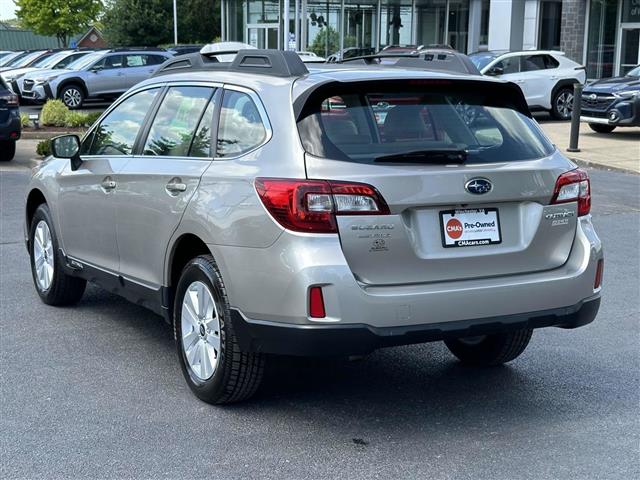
(428, 59)
(133, 49)
(276, 63)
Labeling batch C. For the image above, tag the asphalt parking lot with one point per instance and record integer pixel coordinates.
(96, 391)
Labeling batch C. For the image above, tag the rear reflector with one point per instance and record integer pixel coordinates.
(316, 303)
(599, 272)
(312, 205)
(574, 186)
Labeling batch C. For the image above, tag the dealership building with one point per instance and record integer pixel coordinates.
(602, 34)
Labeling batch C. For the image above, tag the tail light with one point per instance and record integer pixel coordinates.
(574, 186)
(312, 205)
(11, 100)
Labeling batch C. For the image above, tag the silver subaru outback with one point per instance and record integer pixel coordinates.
(262, 208)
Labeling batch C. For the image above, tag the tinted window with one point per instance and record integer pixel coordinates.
(241, 127)
(509, 65)
(155, 59)
(175, 123)
(551, 62)
(118, 130)
(112, 61)
(201, 145)
(533, 63)
(360, 126)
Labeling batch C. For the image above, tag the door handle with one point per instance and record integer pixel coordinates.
(176, 186)
(108, 184)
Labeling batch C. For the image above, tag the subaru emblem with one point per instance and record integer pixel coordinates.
(478, 186)
(593, 96)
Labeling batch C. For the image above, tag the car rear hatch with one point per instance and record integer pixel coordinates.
(466, 173)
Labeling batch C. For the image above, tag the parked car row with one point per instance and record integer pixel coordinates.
(76, 75)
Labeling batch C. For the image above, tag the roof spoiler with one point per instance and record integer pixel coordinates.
(276, 63)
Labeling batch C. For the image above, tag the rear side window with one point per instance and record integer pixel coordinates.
(241, 128)
(362, 125)
(117, 132)
(174, 126)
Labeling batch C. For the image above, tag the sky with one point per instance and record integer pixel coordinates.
(7, 9)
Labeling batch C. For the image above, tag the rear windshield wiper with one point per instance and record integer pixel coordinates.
(441, 155)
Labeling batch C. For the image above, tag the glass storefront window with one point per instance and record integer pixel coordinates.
(601, 39)
(323, 27)
(550, 25)
(484, 22)
(458, 30)
(360, 24)
(397, 17)
(432, 23)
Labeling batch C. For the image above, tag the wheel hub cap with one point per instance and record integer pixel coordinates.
(200, 330)
(43, 255)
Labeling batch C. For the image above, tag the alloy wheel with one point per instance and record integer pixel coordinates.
(200, 330)
(43, 255)
(564, 104)
(72, 97)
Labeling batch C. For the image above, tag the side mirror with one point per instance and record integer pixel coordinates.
(495, 71)
(95, 69)
(67, 146)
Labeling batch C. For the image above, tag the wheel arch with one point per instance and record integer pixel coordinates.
(564, 83)
(184, 248)
(35, 198)
(73, 81)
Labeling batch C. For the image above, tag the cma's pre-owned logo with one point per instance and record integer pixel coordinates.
(454, 228)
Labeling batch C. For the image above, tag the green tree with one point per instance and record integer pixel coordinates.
(59, 18)
(327, 42)
(150, 22)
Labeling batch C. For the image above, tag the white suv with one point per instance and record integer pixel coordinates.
(546, 77)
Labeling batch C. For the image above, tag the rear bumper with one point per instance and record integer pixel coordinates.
(359, 339)
(11, 129)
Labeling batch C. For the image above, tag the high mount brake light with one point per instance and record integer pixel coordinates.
(312, 205)
(573, 186)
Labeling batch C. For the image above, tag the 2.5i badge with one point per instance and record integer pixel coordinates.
(470, 227)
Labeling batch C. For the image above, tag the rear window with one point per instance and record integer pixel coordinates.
(361, 126)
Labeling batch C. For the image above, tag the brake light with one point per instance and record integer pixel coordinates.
(316, 303)
(573, 186)
(312, 205)
(11, 100)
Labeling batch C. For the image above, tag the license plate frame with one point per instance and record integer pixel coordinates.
(477, 240)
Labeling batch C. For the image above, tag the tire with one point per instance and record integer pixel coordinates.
(72, 96)
(60, 289)
(223, 374)
(7, 150)
(490, 350)
(562, 104)
(600, 128)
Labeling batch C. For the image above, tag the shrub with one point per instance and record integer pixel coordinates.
(54, 113)
(24, 120)
(92, 117)
(75, 119)
(43, 148)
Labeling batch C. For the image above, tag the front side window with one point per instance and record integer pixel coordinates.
(241, 128)
(174, 126)
(366, 125)
(508, 65)
(107, 63)
(117, 132)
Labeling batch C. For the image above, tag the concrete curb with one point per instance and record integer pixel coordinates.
(46, 135)
(602, 166)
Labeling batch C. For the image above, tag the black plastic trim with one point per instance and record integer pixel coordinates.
(360, 339)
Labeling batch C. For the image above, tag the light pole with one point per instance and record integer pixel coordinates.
(175, 22)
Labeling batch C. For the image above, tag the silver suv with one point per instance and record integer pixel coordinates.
(265, 209)
(101, 74)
